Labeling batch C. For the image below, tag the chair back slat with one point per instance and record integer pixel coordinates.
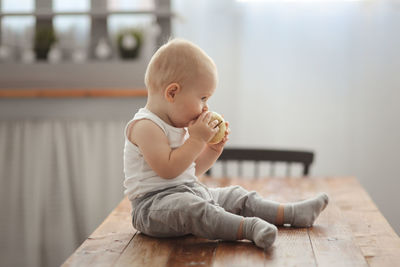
(273, 156)
(224, 169)
(288, 169)
(272, 169)
(257, 168)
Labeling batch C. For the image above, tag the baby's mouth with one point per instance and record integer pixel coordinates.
(195, 119)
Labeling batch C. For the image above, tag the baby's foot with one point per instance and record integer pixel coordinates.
(304, 213)
(259, 231)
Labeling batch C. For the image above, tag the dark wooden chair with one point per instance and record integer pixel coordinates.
(239, 155)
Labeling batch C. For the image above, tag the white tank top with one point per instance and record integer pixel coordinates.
(139, 177)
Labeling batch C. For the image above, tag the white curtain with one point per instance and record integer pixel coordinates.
(58, 181)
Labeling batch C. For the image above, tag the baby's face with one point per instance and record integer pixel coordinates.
(192, 101)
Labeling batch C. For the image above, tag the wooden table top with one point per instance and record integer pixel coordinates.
(350, 232)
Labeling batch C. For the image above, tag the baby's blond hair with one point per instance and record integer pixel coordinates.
(178, 61)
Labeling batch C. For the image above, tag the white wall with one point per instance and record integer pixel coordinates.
(323, 76)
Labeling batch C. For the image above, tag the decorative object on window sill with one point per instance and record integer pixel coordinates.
(27, 56)
(25, 42)
(79, 55)
(44, 38)
(102, 50)
(5, 53)
(129, 42)
(150, 36)
(55, 54)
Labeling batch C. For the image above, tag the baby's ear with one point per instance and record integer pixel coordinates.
(171, 91)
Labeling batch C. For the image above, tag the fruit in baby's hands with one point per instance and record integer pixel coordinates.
(222, 128)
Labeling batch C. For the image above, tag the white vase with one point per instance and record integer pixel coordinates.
(79, 56)
(27, 56)
(55, 54)
(102, 50)
(5, 53)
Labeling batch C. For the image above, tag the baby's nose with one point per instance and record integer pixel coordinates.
(205, 108)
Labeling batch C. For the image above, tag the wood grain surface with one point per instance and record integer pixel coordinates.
(350, 232)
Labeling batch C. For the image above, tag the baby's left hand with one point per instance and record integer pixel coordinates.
(218, 147)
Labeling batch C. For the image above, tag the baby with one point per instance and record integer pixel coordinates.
(167, 148)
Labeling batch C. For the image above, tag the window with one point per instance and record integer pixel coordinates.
(72, 22)
(71, 5)
(17, 31)
(115, 5)
(17, 5)
(117, 23)
(72, 31)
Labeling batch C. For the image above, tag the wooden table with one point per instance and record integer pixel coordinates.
(350, 232)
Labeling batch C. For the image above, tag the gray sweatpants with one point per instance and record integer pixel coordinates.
(192, 208)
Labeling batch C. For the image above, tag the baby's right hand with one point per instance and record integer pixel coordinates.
(203, 129)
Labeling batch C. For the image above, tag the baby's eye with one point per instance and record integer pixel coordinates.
(204, 98)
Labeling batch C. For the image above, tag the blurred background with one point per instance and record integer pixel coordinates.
(321, 75)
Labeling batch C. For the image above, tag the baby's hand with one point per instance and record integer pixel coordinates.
(203, 129)
(218, 147)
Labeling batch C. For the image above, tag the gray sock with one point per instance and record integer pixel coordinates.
(304, 213)
(259, 231)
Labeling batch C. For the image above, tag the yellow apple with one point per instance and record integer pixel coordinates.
(222, 128)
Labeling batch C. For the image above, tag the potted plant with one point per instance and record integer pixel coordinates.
(129, 42)
(43, 40)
